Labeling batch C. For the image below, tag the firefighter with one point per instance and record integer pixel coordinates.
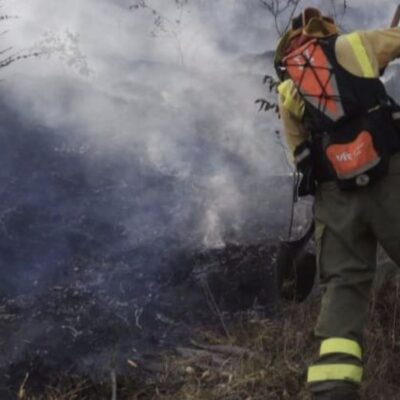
(341, 126)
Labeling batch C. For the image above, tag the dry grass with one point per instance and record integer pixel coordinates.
(272, 367)
(263, 360)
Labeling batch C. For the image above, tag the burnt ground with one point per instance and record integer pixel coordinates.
(76, 328)
(103, 256)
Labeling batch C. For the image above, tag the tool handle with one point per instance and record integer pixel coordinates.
(396, 18)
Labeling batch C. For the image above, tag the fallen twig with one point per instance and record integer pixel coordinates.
(200, 355)
(228, 349)
(113, 384)
(21, 391)
(213, 304)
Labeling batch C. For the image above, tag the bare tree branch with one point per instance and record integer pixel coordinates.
(8, 60)
(163, 25)
(294, 8)
(278, 9)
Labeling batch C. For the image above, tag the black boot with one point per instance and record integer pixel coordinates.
(337, 394)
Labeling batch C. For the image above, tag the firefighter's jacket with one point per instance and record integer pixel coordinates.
(362, 53)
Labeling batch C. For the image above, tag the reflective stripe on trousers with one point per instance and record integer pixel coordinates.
(325, 370)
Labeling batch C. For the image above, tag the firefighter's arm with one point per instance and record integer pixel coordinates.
(291, 108)
(296, 139)
(293, 129)
(383, 44)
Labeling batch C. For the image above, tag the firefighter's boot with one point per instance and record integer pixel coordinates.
(337, 394)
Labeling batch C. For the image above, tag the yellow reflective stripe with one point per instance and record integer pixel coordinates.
(340, 345)
(334, 372)
(294, 105)
(361, 55)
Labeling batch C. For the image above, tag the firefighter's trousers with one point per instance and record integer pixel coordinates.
(348, 227)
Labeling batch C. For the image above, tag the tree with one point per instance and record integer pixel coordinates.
(163, 26)
(279, 10)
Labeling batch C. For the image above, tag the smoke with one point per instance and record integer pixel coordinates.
(157, 136)
(195, 123)
(119, 151)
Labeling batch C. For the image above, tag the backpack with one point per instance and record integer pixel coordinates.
(349, 117)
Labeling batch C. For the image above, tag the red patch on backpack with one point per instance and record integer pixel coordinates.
(354, 158)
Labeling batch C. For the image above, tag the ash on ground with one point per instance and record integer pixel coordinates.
(75, 327)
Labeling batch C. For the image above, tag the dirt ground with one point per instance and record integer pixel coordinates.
(249, 358)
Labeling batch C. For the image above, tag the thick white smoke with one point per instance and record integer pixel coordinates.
(176, 86)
